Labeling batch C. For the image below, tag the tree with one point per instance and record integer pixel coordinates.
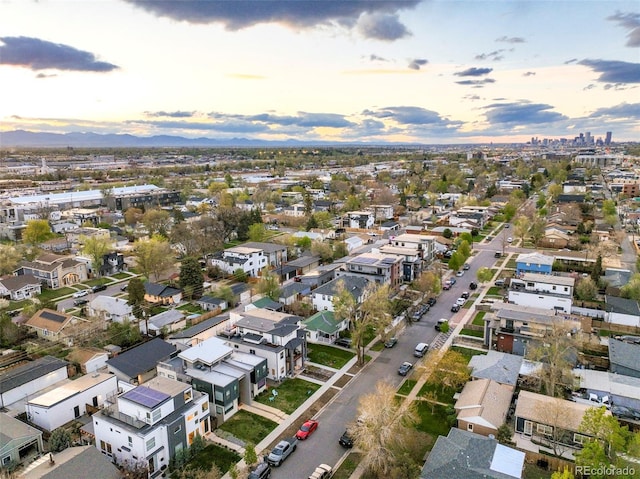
(452, 371)
(345, 306)
(596, 272)
(95, 247)
(135, 292)
(340, 250)
(153, 256)
(240, 275)
(565, 474)
(605, 429)
(157, 222)
(586, 289)
(447, 233)
(36, 232)
(505, 434)
(464, 249)
(553, 413)
(250, 456)
(556, 350)
(554, 191)
(132, 216)
(428, 283)
(631, 290)
(9, 332)
(592, 456)
(374, 312)
(269, 285)
(322, 249)
(225, 292)
(59, 440)
(191, 276)
(9, 258)
(521, 227)
(456, 261)
(124, 334)
(609, 208)
(257, 232)
(384, 430)
(484, 275)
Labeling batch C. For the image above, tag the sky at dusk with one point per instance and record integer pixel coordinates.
(414, 71)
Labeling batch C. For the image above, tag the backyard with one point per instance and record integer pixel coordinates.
(433, 423)
(248, 427)
(214, 454)
(289, 395)
(329, 355)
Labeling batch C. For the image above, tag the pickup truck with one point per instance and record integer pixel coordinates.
(282, 450)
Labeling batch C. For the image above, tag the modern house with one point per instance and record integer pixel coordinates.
(482, 406)
(157, 293)
(17, 288)
(17, 441)
(467, 455)
(28, 379)
(112, 263)
(54, 271)
(379, 268)
(200, 332)
(534, 263)
(69, 401)
(152, 422)
(359, 219)
(276, 254)
(542, 291)
(138, 364)
(250, 260)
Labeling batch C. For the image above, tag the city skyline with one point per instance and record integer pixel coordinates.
(341, 71)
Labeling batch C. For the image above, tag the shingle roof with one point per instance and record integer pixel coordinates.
(622, 305)
(25, 373)
(324, 321)
(89, 459)
(142, 358)
(12, 428)
(266, 247)
(624, 354)
(156, 289)
(49, 319)
(14, 283)
(200, 327)
(268, 303)
(354, 284)
(500, 367)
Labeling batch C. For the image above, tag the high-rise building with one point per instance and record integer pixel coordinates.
(607, 139)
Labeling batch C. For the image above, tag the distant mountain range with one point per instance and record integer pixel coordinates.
(31, 139)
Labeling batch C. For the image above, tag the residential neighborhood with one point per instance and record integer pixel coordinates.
(479, 304)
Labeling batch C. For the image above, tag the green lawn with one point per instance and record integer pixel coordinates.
(51, 294)
(378, 346)
(248, 426)
(329, 355)
(214, 454)
(471, 332)
(407, 387)
(348, 466)
(467, 352)
(120, 275)
(442, 395)
(97, 281)
(191, 308)
(511, 264)
(478, 318)
(433, 423)
(494, 291)
(291, 394)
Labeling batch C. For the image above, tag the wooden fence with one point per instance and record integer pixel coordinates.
(549, 463)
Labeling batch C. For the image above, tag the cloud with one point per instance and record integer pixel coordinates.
(570, 62)
(375, 19)
(621, 111)
(495, 55)
(416, 63)
(376, 58)
(44, 75)
(528, 74)
(39, 54)
(474, 72)
(408, 115)
(505, 39)
(523, 113)
(614, 71)
(476, 83)
(171, 114)
(630, 21)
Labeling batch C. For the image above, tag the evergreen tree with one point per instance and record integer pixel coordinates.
(191, 275)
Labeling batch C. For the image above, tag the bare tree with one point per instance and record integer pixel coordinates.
(551, 415)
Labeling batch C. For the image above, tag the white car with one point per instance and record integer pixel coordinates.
(460, 301)
(510, 239)
(460, 273)
(80, 294)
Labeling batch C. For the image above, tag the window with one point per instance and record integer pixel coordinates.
(218, 395)
(187, 395)
(544, 429)
(252, 351)
(470, 427)
(205, 406)
(580, 438)
(105, 446)
(553, 288)
(6, 460)
(130, 439)
(177, 429)
(151, 443)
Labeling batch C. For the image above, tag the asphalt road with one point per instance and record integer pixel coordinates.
(322, 446)
(113, 290)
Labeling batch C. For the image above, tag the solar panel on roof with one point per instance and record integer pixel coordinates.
(58, 318)
(146, 396)
(364, 260)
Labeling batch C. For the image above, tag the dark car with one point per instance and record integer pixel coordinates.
(466, 267)
(404, 368)
(431, 301)
(99, 287)
(345, 440)
(261, 471)
(344, 342)
(455, 308)
(497, 254)
(473, 285)
(625, 413)
(465, 295)
(452, 281)
(80, 302)
(391, 342)
(124, 287)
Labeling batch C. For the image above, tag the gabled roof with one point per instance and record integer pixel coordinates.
(142, 358)
(266, 247)
(14, 283)
(622, 305)
(117, 306)
(161, 290)
(12, 429)
(497, 366)
(354, 284)
(211, 300)
(167, 317)
(535, 258)
(624, 354)
(200, 327)
(26, 373)
(467, 455)
(323, 321)
(484, 402)
(49, 319)
(303, 261)
(540, 408)
(268, 303)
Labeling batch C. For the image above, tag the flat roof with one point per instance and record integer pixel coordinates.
(207, 351)
(70, 389)
(549, 279)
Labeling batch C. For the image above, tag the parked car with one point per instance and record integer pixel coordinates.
(404, 368)
(466, 267)
(282, 450)
(497, 254)
(80, 294)
(506, 225)
(446, 286)
(499, 282)
(489, 238)
(625, 412)
(441, 322)
(344, 342)
(80, 302)
(460, 301)
(99, 287)
(455, 308)
(465, 295)
(345, 440)
(431, 301)
(261, 471)
(473, 285)
(420, 350)
(323, 471)
(124, 287)
(452, 281)
(307, 429)
(510, 239)
(391, 342)
(460, 273)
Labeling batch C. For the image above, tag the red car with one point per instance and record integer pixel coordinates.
(306, 429)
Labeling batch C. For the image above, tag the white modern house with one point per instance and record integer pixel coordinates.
(28, 379)
(322, 297)
(542, 291)
(151, 422)
(250, 260)
(69, 401)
